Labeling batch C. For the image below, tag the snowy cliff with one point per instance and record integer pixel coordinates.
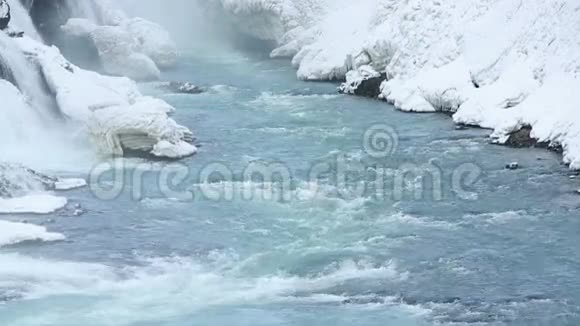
(499, 64)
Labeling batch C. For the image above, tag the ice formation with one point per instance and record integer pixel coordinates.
(98, 103)
(132, 47)
(498, 64)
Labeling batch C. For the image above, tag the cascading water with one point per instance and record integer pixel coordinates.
(28, 79)
(85, 9)
(21, 20)
(31, 131)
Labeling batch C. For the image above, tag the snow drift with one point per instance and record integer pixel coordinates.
(498, 64)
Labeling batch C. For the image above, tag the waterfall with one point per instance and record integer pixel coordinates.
(85, 9)
(28, 78)
(32, 131)
(21, 20)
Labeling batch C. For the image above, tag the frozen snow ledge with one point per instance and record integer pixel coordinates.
(497, 64)
(117, 117)
(32, 204)
(15, 233)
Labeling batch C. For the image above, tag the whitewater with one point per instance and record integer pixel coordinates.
(178, 245)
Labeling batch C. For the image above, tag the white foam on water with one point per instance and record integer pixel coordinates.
(418, 221)
(502, 218)
(272, 101)
(167, 288)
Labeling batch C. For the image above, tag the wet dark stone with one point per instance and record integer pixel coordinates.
(183, 88)
(4, 20)
(370, 87)
(521, 138)
(513, 166)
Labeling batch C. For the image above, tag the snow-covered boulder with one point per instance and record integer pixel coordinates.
(153, 41)
(364, 81)
(132, 47)
(119, 54)
(136, 49)
(142, 126)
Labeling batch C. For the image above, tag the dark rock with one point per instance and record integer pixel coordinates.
(461, 127)
(521, 138)
(183, 88)
(368, 87)
(4, 14)
(513, 166)
(15, 34)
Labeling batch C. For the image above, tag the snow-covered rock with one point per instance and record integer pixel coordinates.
(17, 180)
(142, 126)
(364, 81)
(153, 41)
(23, 190)
(134, 47)
(118, 53)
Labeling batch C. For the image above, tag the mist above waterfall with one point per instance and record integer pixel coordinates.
(196, 24)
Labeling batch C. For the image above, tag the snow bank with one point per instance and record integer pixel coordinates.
(111, 108)
(14, 233)
(32, 204)
(23, 190)
(17, 180)
(498, 64)
(132, 47)
(69, 184)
